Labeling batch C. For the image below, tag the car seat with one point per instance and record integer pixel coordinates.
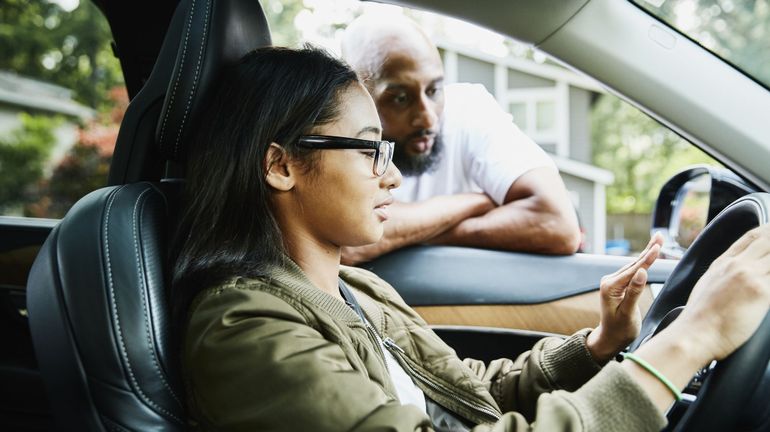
(97, 293)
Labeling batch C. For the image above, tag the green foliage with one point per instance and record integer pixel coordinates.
(83, 169)
(23, 154)
(71, 49)
(641, 153)
(280, 15)
(737, 30)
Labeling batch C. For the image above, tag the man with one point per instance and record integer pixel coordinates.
(471, 177)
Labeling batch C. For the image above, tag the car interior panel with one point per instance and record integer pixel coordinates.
(102, 336)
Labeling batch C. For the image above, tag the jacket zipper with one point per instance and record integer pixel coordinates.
(396, 350)
(376, 337)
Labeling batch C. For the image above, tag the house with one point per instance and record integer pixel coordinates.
(21, 94)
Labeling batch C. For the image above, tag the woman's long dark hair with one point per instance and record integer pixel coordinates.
(227, 228)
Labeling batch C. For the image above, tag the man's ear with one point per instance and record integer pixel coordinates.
(277, 167)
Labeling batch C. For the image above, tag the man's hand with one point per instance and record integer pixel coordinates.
(620, 316)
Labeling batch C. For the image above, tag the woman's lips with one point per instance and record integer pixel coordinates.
(381, 210)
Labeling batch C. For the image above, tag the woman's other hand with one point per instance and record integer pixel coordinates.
(725, 308)
(730, 300)
(620, 315)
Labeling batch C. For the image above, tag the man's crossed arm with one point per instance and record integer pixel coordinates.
(536, 216)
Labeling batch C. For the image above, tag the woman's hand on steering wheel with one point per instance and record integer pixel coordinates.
(620, 315)
(730, 300)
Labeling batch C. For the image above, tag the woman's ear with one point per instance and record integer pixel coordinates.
(277, 167)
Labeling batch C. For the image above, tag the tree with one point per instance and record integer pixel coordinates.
(23, 154)
(641, 153)
(280, 15)
(85, 166)
(736, 30)
(72, 49)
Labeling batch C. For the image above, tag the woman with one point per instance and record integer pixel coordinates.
(288, 167)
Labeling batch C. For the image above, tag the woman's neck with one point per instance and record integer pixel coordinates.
(321, 263)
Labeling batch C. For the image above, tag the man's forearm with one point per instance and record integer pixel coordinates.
(415, 223)
(522, 225)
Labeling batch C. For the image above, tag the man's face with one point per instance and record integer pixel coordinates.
(409, 96)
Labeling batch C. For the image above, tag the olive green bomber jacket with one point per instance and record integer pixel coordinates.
(280, 354)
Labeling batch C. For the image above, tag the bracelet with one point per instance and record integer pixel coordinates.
(649, 368)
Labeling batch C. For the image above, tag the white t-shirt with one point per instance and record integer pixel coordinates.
(406, 389)
(484, 151)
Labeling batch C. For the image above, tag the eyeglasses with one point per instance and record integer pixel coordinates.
(383, 150)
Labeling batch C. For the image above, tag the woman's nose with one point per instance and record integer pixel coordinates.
(392, 177)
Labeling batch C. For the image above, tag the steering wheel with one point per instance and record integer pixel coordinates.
(728, 388)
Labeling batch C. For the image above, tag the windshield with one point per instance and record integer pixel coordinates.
(736, 30)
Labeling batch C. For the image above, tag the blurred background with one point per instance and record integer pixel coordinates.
(62, 99)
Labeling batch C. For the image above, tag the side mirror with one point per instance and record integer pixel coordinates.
(689, 201)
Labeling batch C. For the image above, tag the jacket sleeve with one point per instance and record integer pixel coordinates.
(552, 364)
(251, 364)
(609, 401)
(558, 386)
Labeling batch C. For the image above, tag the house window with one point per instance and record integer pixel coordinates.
(535, 112)
(519, 112)
(545, 116)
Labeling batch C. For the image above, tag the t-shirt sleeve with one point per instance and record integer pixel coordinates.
(497, 152)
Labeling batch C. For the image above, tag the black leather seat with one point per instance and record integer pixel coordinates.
(97, 293)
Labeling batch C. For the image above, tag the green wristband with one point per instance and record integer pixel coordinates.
(649, 368)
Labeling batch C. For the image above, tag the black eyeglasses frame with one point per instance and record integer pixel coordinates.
(328, 142)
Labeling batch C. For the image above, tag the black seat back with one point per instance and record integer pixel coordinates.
(97, 293)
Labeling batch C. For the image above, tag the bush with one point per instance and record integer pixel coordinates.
(23, 155)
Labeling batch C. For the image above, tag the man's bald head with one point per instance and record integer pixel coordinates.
(369, 41)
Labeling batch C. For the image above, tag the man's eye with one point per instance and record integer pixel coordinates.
(433, 91)
(368, 153)
(401, 99)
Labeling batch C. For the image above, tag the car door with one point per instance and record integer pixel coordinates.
(488, 304)
(61, 101)
(22, 396)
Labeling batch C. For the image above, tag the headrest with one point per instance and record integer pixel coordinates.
(216, 34)
(204, 37)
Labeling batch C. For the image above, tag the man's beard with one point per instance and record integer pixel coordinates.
(414, 165)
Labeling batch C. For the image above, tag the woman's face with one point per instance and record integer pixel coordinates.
(341, 201)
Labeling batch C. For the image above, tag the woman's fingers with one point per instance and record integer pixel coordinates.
(748, 239)
(622, 277)
(634, 291)
(656, 239)
(759, 246)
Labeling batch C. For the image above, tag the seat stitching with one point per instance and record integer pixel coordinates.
(145, 303)
(114, 311)
(112, 426)
(179, 72)
(195, 79)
